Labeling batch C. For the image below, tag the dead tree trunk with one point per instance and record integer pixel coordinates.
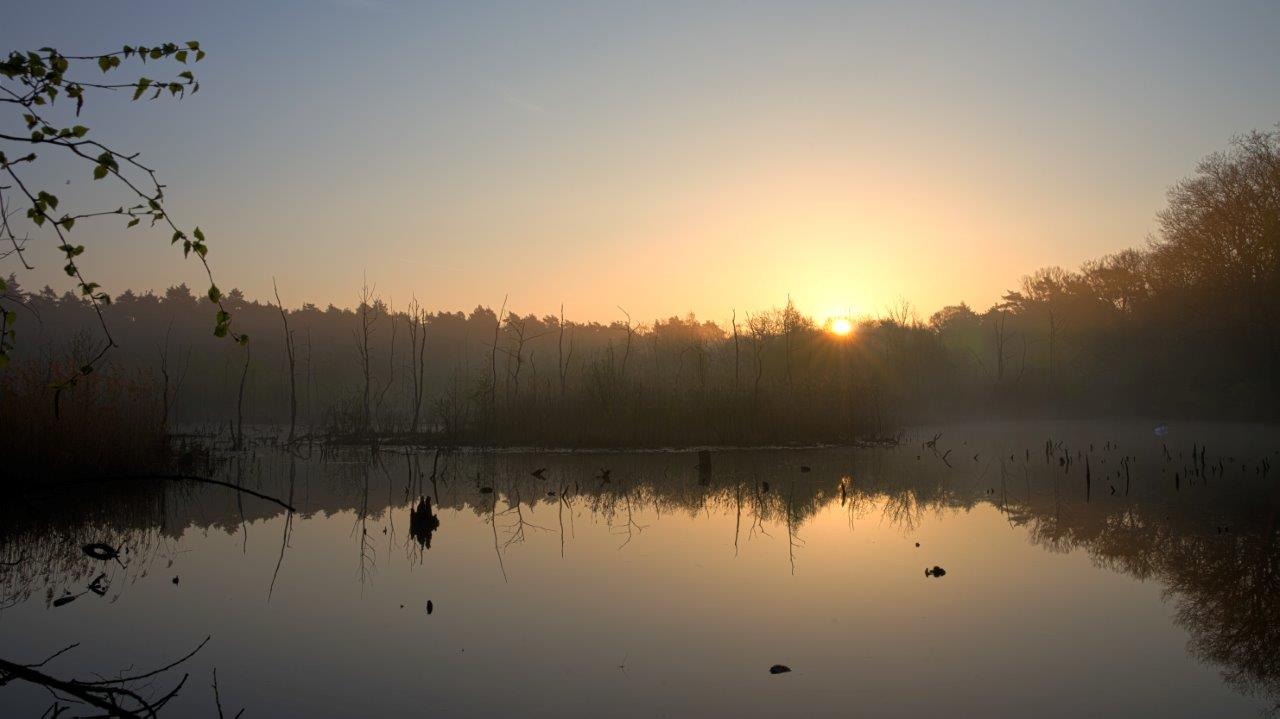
(417, 359)
(367, 318)
(244, 378)
(737, 363)
(292, 358)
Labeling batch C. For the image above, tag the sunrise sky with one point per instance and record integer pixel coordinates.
(663, 157)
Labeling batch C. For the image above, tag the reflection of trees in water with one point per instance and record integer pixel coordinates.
(1217, 554)
(1228, 593)
(1213, 544)
(41, 556)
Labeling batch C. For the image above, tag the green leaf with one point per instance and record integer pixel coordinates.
(214, 293)
(99, 172)
(198, 234)
(104, 63)
(133, 222)
(181, 56)
(143, 84)
(79, 131)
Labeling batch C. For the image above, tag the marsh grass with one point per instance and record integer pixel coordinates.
(111, 424)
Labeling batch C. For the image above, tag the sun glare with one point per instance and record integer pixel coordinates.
(841, 326)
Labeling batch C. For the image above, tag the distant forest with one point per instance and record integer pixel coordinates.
(1186, 325)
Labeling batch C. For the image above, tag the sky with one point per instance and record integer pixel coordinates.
(658, 157)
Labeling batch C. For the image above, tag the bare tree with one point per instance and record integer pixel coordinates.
(493, 362)
(391, 360)
(737, 363)
(417, 358)
(291, 356)
(244, 378)
(169, 399)
(626, 353)
(368, 316)
(562, 364)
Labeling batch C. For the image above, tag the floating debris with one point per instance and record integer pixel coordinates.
(175, 580)
(101, 551)
(936, 571)
(779, 669)
(486, 490)
(64, 600)
(430, 607)
(538, 472)
(805, 468)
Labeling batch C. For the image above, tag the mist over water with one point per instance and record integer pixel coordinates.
(643, 583)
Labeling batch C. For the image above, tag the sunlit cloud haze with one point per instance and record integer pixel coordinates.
(664, 157)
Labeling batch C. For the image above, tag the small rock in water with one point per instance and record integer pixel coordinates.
(430, 607)
(779, 669)
(917, 544)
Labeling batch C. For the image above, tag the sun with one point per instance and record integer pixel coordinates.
(841, 326)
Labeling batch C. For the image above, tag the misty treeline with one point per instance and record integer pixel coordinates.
(1185, 325)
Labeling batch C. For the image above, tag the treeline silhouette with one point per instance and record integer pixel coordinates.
(1188, 325)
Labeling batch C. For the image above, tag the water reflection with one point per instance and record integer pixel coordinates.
(1200, 518)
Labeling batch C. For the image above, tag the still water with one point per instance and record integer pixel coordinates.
(668, 583)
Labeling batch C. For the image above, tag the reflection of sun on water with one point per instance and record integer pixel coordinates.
(841, 326)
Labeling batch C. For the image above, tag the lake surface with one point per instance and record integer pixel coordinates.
(671, 587)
